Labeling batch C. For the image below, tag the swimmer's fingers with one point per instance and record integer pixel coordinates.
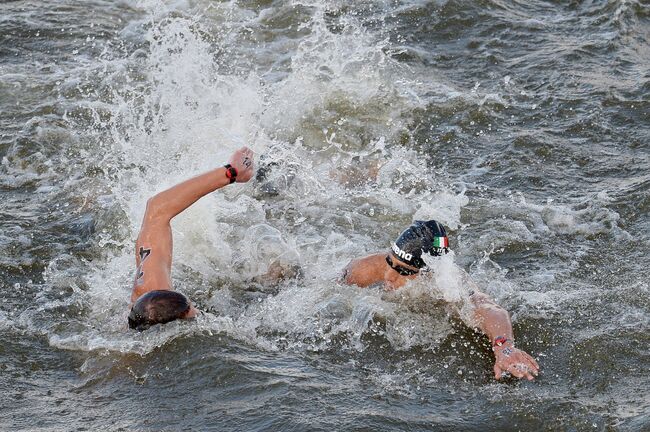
(516, 362)
(247, 160)
(524, 371)
(523, 366)
(527, 370)
(528, 361)
(247, 156)
(514, 368)
(532, 364)
(517, 370)
(243, 161)
(498, 373)
(533, 361)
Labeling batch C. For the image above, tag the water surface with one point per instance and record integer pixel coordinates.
(523, 127)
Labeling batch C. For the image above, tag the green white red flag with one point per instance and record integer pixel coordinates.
(440, 242)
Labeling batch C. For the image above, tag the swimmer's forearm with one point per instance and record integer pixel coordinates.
(171, 202)
(493, 320)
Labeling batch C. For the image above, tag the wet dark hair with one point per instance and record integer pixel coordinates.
(158, 307)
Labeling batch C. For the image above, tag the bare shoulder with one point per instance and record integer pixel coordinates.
(364, 271)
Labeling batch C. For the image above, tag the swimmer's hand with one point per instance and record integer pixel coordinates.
(514, 361)
(242, 161)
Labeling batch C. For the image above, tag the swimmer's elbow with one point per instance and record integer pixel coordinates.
(346, 276)
(153, 205)
(482, 303)
(350, 276)
(156, 209)
(478, 298)
(348, 279)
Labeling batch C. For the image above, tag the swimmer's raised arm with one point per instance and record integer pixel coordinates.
(169, 203)
(152, 297)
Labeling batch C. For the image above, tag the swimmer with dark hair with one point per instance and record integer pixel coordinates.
(403, 262)
(153, 300)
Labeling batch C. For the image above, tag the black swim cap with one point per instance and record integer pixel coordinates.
(421, 237)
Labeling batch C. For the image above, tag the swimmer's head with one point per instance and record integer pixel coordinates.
(158, 307)
(421, 237)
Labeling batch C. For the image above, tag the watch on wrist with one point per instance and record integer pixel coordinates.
(500, 341)
(231, 173)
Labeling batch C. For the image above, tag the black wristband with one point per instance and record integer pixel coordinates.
(231, 173)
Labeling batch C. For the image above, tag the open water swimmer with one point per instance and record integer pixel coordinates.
(404, 262)
(153, 299)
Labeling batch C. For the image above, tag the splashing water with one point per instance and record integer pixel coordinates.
(520, 129)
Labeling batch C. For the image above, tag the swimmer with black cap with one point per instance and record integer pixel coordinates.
(403, 263)
(153, 300)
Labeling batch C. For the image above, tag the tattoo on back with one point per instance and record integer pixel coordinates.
(139, 273)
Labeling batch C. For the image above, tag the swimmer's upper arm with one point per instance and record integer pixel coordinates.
(363, 272)
(153, 252)
(481, 305)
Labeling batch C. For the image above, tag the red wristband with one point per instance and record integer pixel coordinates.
(231, 173)
(500, 340)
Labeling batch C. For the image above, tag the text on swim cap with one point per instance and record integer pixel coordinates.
(400, 253)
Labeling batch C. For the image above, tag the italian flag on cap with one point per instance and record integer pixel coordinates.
(440, 242)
